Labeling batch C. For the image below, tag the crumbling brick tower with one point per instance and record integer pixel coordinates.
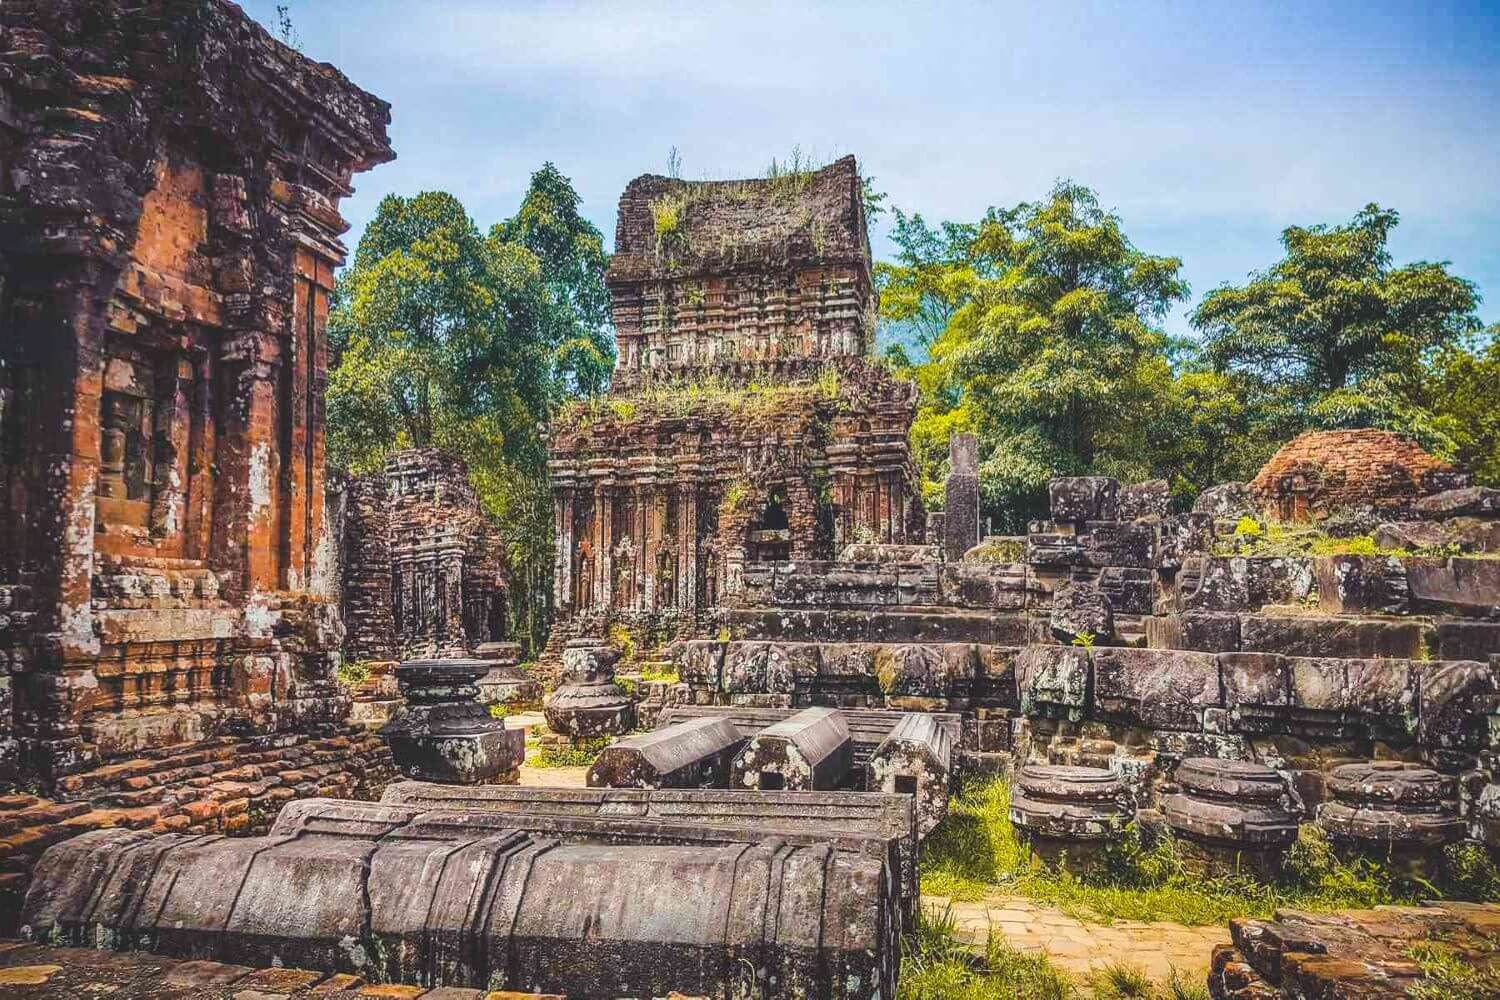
(169, 181)
(745, 422)
(423, 565)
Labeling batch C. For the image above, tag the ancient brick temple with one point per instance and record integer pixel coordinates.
(745, 422)
(169, 183)
(422, 565)
(1322, 472)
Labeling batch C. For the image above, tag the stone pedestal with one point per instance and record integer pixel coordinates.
(1231, 816)
(506, 683)
(588, 704)
(443, 734)
(1068, 814)
(1391, 809)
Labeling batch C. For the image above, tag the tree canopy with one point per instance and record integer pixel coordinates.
(443, 336)
(1334, 312)
(1046, 338)
(1044, 328)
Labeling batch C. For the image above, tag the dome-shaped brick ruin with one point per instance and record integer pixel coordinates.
(1321, 472)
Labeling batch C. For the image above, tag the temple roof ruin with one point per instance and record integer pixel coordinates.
(669, 226)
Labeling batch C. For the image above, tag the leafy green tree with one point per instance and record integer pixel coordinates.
(438, 339)
(446, 337)
(570, 250)
(1334, 313)
(916, 292)
(1463, 394)
(1056, 349)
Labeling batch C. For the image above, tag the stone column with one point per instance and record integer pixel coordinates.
(172, 431)
(961, 512)
(562, 565)
(604, 504)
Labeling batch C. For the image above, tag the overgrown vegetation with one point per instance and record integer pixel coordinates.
(709, 398)
(445, 336)
(1000, 550)
(976, 852)
(1447, 975)
(568, 755)
(353, 673)
(1272, 538)
(1040, 328)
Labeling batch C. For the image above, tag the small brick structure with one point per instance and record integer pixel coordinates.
(1322, 472)
(423, 570)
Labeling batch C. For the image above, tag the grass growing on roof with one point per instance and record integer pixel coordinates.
(976, 852)
(710, 397)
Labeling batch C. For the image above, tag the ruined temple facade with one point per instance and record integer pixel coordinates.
(422, 566)
(169, 231)
(745, 422)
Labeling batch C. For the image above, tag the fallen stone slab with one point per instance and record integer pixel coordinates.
(808, 751)
(886, 816)
(473, 902)
(886, 837)
(695, 753)
(916, 759)
(868, 728)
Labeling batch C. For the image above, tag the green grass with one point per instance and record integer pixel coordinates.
(582, 755)
(1447, 975)
(353, 673)
(1274, 538)
(976, 853)
(937, 965)
(710, 397)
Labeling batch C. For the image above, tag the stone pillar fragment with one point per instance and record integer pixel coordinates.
(961, 509)
(694, 754)
(811, 750)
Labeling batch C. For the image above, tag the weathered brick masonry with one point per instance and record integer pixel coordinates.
(169, 182)
(744, 422)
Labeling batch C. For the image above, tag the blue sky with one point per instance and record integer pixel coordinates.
(1208, 127)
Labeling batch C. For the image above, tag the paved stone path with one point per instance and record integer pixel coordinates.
(1080, 948)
